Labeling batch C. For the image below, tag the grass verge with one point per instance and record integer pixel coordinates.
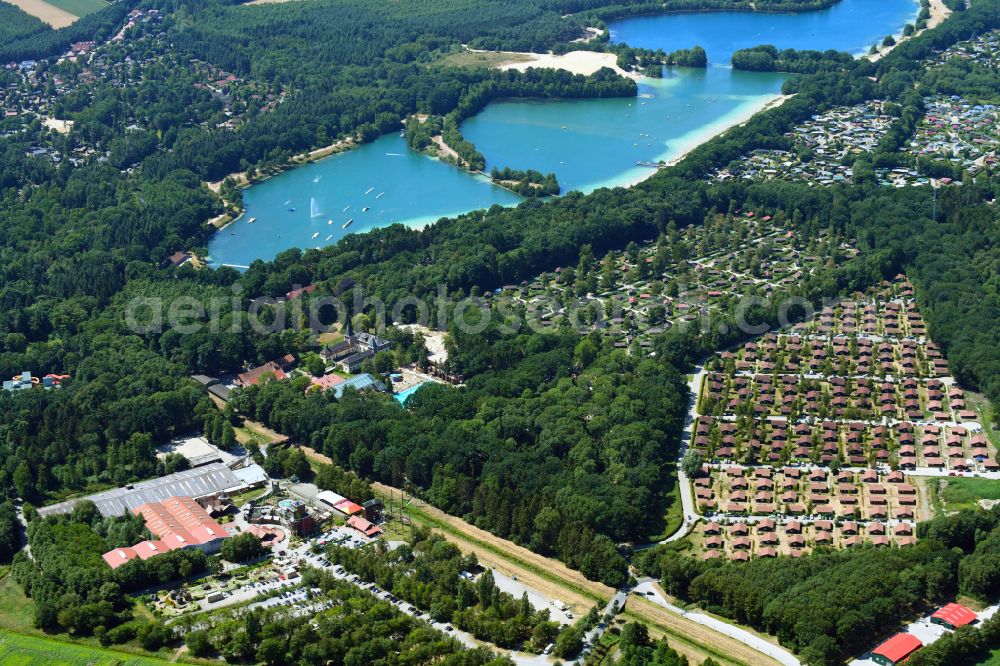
(18, 650)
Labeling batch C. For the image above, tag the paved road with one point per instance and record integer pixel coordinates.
(538, 601)
(687, 497)
(23, 528)
(776, 652)
(613, 607)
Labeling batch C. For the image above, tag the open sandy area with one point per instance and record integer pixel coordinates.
(57, 18)
(939, 12)
(61, 126)
(577, 62)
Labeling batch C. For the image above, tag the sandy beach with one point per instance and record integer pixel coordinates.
(241, 180)
(683, 146)
(725, 125)
(577, 62)
(939, 12)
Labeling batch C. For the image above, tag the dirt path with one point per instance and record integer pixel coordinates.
(446, 150)
(555, 580)
(701, 641)
(532, 569)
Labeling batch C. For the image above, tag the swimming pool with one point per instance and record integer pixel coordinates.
(401, 398)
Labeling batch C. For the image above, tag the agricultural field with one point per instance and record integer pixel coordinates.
(78, 8)
(59, 13)
(50, 14)
(15, 23)
(20, 650)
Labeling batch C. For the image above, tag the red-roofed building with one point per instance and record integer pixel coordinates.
(278, 369)
(896, 649)
(954, 616)
(119, 556)
(295, 293)
(177, 522)
(326, 382)
(349, 508)
(360, 524)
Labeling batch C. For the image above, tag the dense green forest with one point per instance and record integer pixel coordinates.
(427, 572)
(554, 443)
(769, 59)
(98, 26)
(528, 183)
(557, 441)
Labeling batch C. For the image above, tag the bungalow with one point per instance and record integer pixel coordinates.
(178, 259)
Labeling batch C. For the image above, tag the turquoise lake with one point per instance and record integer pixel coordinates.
(850, 25)
(587, 143)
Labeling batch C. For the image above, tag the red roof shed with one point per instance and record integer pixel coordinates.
(954, 616)
(896, 649)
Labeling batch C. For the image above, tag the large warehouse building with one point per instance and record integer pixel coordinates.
(177, 522)
(197, 482)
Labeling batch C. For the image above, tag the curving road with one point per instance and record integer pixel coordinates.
(687, 497)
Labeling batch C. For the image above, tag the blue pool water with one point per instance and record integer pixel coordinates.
(405, 395)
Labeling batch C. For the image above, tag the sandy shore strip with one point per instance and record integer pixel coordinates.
(576, 62)
(939, 12)
(724, 125)
(57, 18)
(682, 146)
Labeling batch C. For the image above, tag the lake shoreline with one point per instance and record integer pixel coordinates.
(342, 146)
(674, 148)
(242, 182)
(939, 12)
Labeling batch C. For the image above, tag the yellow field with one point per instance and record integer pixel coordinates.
(57, 18)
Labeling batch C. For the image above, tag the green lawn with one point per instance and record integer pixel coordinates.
(674, 516)
(992, 660)
(16, 610)
(962, 492)
(79, 7)
(20, 650)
